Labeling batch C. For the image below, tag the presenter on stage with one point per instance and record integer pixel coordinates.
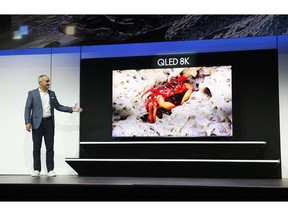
(39, 117)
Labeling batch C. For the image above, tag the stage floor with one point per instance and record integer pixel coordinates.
(84, 188)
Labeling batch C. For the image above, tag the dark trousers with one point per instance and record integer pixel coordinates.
(45, 130)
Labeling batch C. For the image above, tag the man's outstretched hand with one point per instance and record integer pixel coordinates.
(77, 109)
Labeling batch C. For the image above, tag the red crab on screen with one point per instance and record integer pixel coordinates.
(163, 96)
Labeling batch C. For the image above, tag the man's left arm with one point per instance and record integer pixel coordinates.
(62, 108)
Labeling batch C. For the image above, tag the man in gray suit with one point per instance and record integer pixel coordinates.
(39, 117)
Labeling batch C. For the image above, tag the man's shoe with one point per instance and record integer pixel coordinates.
(51, 173)
(35, 173)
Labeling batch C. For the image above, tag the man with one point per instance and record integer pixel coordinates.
(39, 117)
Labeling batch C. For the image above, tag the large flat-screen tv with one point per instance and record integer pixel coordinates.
(172, 102)
(217, 96)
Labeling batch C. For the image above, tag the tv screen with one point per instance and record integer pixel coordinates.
(219, 96)
(172, 102)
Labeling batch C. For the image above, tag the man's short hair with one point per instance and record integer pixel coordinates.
(40, 77)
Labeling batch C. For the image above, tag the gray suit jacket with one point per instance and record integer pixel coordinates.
(34, 111)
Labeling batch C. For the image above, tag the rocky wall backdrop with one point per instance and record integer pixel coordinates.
(74, 30)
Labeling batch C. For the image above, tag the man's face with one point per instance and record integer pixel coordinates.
(45, 83)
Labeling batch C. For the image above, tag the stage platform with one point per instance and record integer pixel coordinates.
(84, 188)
